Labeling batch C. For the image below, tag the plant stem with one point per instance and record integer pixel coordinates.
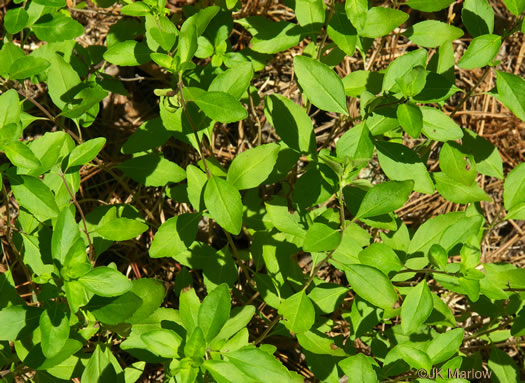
(471, 90)
(268, 329)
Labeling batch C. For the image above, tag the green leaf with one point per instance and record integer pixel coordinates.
(458, 192)
(84, 101)
(54, 326)
(164, 343)
(13, 319)
(257, 363)
(432, 33)
(15, 20)
(371, 285)
(121, 229)
(99, 367)
(114, 310)
(250, 168)
(106, 282)
(511, 91)
(321, 84)
(413, 82)
(456, 164)
(27, 66)
(360, 80)
(152, 170)
(478, 17)
(85, 152)
(438, 256)
(384, 198)
(128, 53)
(21, 155)
(438, 126)
(357, 12)
(8, 55)
(514, 187)
(480, 52)
(196, 181)
(175, 235)
(195, 346)
(431, 231)
(381, 21)
(291, 122)
(65, 234)
(410, 118)
(380, 256)
(138, 8)
(151, 292)
(486, 156)
(444, 345)
(32, 194)
(414, 357)
(341, 31)
(282, 219)
(355, 144)
(327, 296)
(298, 312)
(359, 368)
(401, 66)
(503, 366)
(133, 372)
(276, 37)
(319, 344)
(321, 237)
(234, 81)
(401, 163)
(189, 306)
(224, 204)
(222, 107)
(238, 321)
(162, 30)
(429, 6)
(310, 13)
(214, 311)
(226, 372)
(61, 78)
(516, 212)
(515, 7)
(416, 307)
(56, 27)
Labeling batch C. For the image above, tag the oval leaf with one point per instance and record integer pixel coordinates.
(224, 204)
(250, 168)
(321, 84)
(371, 285)
(298, 312)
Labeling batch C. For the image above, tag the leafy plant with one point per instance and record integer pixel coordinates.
(253, 235)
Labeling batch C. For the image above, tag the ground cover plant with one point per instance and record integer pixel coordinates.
(262, 191)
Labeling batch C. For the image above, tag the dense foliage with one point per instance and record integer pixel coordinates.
(269, 224)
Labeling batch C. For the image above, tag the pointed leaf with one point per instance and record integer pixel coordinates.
(224, 204)
(321, 84)
(298, 312)
(250, 168)
(416, 307)
(384, 198)
(321, 237)
(371, 285)
(214, 311)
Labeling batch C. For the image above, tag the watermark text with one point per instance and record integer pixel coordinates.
(453, 373)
